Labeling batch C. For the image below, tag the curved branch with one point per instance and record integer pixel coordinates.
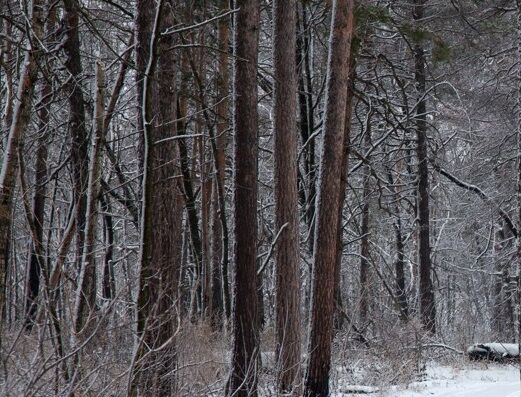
(480, 193)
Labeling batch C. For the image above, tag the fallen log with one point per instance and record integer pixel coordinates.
(493, 351)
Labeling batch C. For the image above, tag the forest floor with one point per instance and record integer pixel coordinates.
(470, 380)
(384, 370)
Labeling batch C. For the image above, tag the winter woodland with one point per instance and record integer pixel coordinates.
(260, 197)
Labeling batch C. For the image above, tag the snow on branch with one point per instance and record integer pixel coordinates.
(479, 192)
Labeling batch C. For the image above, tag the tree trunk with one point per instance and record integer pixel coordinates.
(205, 181)
(160, 257)
(206, 201)
(286, 197)
(108, 282)
(399, 264)
(77, 127)
(243, 378)
(427, 305)
(191, 206)
(36, 261)
(339, 317)
(86, 290)
(220, 286)
(401, 293)
(325, 250)
(306, 111)
(20, 121)
(518, 3)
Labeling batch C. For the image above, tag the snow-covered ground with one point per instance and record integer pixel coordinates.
(474, 380)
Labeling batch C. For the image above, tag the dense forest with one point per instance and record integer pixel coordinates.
(255, 197)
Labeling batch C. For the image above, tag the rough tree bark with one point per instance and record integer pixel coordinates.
(339, 317)
(160, 257)
(325, 250)
(243, 378)
(427, 305)
(286, 197)
(20, 121)
(77, 128)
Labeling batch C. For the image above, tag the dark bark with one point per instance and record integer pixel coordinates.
(190, 204)
(326, 237)
(220, 286)
(343, 186)
(427, 304)
(217, 309)
(218, 150)
(76, 124)
(36, 262)
(206, 200)
(286, 198)
(306, 111)
(86, 290)
(108, 282)
(155, 359)
(20, 121)
(243, 378)
(128, 198)
(399, 265)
